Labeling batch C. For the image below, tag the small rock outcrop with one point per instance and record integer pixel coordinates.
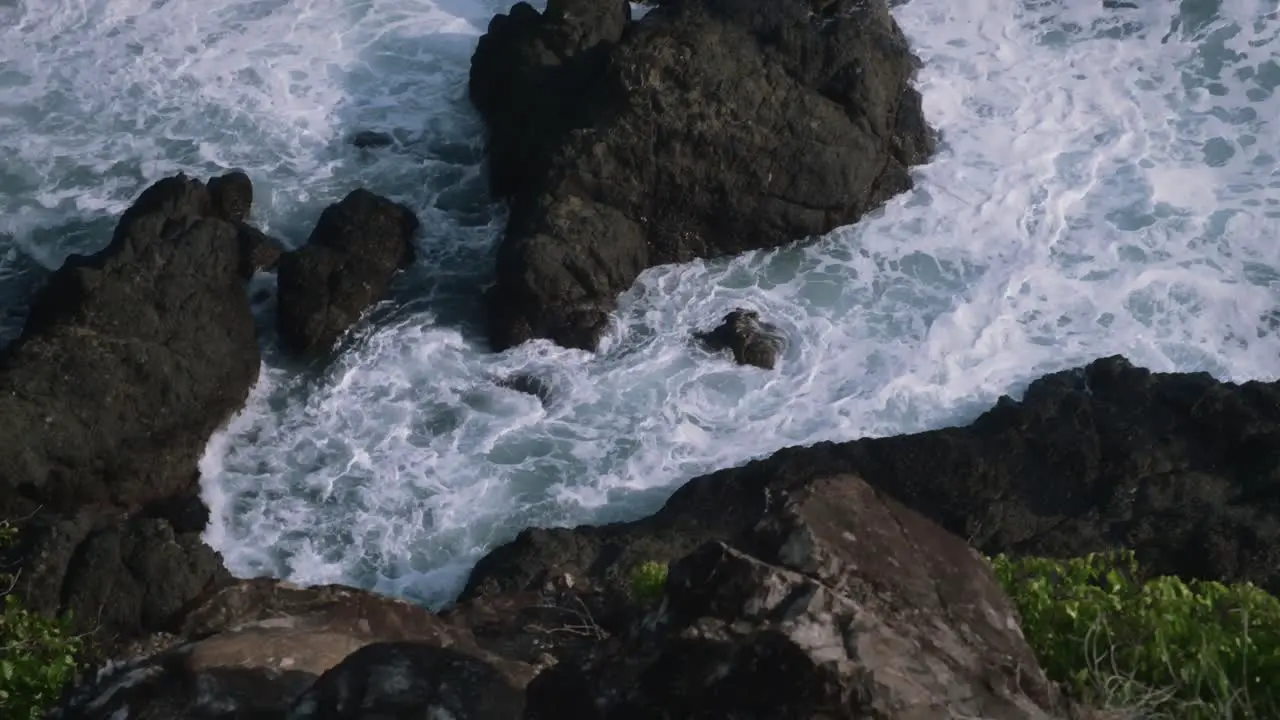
(538, 387)
(837, 603)
(346, 266)
(708, 128)
(751, 341)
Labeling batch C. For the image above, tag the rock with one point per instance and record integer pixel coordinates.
(1181, 468)
(709, 128)
(402, 680)
(750, 341)
(529, 385)
(257, 250)
(232, 196)
(372, 139)
(346, 266)
(847, 605)
(129, 360)
(253, 648)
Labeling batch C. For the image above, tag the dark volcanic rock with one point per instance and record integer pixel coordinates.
(232, 196)
(1180, 467)
(750, 341)
(252, 649)
(372, 139)
(346, 266)
(258, 251)
(839, 603)
(709, 128)
(129, 360)
(529, 385)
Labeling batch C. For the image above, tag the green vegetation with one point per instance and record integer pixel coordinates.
(37, 654)
(649, 582)
(1161, 648)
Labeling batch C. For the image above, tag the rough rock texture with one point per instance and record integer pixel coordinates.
(252, 649)
(708, 128)
(345, 267)
(128, 362)
(751, 341)
(839, 604)
(1180, 467)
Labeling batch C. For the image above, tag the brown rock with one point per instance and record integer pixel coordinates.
(847, 605)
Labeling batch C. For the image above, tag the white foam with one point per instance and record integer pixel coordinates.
(1105, 185)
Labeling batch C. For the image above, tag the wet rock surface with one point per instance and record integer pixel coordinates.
(750, 341)
(346, 266)
(708, 128)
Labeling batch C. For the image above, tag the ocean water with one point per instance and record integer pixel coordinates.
(1107, 183)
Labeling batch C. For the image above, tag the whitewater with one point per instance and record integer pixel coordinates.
(1106, 183)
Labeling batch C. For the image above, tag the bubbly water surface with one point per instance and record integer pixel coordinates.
(1107, 183)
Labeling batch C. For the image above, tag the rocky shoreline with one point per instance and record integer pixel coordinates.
(842, 580)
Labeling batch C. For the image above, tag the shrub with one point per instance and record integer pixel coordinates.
(37, 654)
(1186, 650)
(649, 582)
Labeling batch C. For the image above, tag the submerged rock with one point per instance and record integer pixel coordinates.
(529, 385)
(346, 266)
(366, 139)
(708, 128)
(750, 341)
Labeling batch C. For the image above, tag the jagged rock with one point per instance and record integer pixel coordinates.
(345, 267)
(258, 251)
(750, 341)
(252, 649)
(846, 605)
(231, 196)
(1183, 469)
(129, 359)
(128, 362)
(708, 128)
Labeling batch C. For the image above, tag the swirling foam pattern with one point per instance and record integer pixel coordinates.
(1107, 184)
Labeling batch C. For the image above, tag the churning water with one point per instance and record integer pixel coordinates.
(1107, 183)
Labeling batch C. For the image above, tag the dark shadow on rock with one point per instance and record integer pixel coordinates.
(406, 679)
